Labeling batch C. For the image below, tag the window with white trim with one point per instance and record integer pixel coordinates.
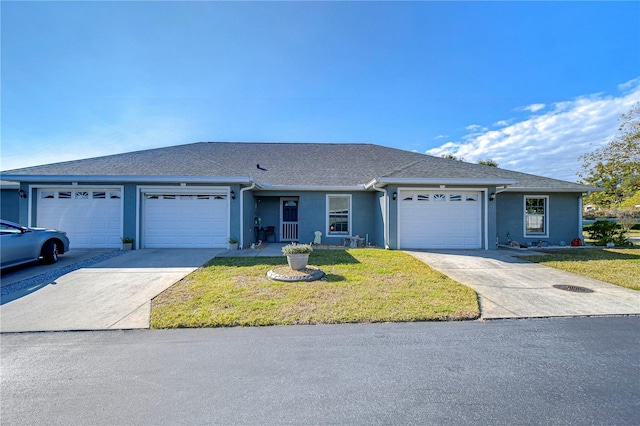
(338, 214)
(536, 216)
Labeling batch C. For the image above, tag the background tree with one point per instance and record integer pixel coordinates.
(488, 162)
(452, 157)
(616, 166)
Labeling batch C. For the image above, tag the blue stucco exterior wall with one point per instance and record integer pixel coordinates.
(235, 218)
(9, 205)
(563, 218)
(378, 220)
(247, 221)
(267, 209)
(393, 218)
(312, 214)
(129, 213)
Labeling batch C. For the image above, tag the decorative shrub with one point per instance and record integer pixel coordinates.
(605, 231)
(297, 249)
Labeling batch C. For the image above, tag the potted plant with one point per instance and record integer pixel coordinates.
(127, 243)
(233, 243)
(297, 255)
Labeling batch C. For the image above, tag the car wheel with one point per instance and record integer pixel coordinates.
(50, 252)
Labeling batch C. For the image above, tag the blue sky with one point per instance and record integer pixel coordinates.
(530, 84)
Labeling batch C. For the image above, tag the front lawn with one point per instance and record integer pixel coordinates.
(616, 266)
(362, 285)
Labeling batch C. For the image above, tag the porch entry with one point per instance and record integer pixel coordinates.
(289, 218)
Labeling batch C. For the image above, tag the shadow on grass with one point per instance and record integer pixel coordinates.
(586, 255)
(334, 278)
(317, 258)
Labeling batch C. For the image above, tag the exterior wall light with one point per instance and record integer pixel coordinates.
(21, 193)
(395, 196)
(233, 195)
(492, 196)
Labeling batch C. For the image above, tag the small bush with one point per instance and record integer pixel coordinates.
(605, 231)
(297, 249)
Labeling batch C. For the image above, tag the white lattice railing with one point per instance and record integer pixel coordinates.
(289, 231)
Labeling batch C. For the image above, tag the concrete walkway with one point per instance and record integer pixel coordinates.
(265, 250)
(508, 287)
(114, 294)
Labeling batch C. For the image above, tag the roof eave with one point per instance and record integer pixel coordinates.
(129, 179)
(312, 188)
(550, 190)
(381, 182)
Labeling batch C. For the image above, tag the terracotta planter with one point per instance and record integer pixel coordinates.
(298, 262)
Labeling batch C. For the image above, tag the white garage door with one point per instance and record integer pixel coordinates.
(440, 219)
(185, 220)
(92, 217)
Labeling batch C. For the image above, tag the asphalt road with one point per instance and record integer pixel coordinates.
(575, 371)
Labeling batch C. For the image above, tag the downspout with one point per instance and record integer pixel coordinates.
(385, 215)
(580, 219)
(242, 190)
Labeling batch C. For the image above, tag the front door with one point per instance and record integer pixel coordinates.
(289, 219)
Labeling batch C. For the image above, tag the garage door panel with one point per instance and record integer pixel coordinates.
(90, 221)
(440, 219)
(185, 220)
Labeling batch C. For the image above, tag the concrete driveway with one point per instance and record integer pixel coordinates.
(75, 256)
(508, 287)
(114, 294)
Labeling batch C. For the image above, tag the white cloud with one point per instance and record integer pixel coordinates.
(629, 85)
(475, 128)
(440, 137)
(501, 123)
(532, 107)
(551, 143)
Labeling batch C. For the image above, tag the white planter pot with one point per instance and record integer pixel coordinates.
(127, 246)
(232, 246)
(298, 262)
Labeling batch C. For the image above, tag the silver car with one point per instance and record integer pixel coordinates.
(20, 244)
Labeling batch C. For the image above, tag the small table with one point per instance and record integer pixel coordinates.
(352, 241)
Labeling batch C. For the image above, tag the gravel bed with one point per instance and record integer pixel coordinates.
(57, 273)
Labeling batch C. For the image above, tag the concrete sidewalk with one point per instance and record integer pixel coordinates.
(508, 287)
(114, 294)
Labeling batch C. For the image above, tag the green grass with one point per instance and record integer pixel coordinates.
(362, 285)
(616, 266)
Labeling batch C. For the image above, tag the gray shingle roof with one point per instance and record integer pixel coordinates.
(286, 164)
